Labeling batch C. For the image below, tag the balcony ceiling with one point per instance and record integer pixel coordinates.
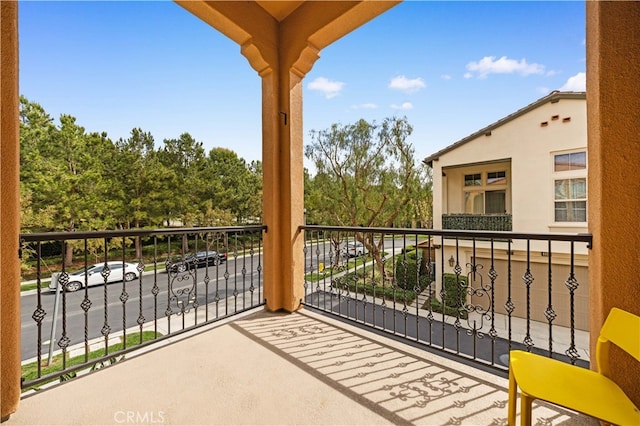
(279, 9)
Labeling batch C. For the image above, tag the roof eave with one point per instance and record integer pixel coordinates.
(552, 97)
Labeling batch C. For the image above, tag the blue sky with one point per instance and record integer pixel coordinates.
(450, 67)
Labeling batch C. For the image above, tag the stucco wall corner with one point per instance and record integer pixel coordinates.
(10, 370)
(250, 51)
(309, 55)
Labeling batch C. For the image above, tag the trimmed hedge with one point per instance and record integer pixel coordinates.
(436, 306)
(353, 281)
(455, 295)
(490, 222)
(409, 274)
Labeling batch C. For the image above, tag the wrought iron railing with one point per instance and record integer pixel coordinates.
(98, 295)
(474, 294)
(477, 222)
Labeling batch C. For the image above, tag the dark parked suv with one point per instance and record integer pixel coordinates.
(197, 260)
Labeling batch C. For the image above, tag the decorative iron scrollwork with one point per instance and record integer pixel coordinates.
(473, 297)
(182, 291)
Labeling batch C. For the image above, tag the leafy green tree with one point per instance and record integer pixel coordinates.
(63, 174)
(210, 215)
(253, 208)
(36, 130)
(366, 176)
(424, 200)
(74, 181)
(232, 185)
(131, 173)
(183, 162)
(137, 176)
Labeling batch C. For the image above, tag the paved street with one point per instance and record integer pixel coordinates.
(232, 286)
(140, 304)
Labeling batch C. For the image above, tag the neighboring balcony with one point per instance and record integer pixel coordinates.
(375, 344)
(477, 222)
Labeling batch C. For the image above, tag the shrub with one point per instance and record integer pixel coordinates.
(346, 281)
(407, 273)
(455, 295)
(359, 282)
(436, 306)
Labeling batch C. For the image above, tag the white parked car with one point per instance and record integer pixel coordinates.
(356, 249)
(93, 275)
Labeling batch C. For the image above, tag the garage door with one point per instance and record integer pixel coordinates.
(539, 291)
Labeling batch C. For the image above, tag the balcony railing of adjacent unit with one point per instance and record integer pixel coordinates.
(477, 222)
(473, 294)
(161, 283)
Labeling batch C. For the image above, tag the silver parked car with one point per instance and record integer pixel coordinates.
(93, 275)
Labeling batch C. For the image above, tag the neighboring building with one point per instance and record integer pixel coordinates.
(525, 173)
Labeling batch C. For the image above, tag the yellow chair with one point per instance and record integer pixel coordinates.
(577, 388)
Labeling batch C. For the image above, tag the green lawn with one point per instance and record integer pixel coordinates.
(350, 265)
(30, 371)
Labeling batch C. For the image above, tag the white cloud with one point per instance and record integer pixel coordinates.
(577, 83)
(543, 90)
(365, 106)
(329, 88)
(404, 106)
(491, 65)
(445, 77)
(468, 75)
(407, 85)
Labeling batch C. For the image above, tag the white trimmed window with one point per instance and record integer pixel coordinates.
(570, 187)
(570, 161)
(485, 193)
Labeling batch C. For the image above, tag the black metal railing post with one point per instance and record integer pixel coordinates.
(179, 253)
(478, 306)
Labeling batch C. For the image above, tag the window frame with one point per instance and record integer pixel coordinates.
(473, 180)
(570, 174)
(570, 165)
(483, 187)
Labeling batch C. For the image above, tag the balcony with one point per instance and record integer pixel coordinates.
(357, 354)
(273, 368)
(611, 28)
(477, 222)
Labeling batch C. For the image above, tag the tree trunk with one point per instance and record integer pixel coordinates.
(68, 248)
(68, 255)
(185, 243)
(138, 243)
(335, 242)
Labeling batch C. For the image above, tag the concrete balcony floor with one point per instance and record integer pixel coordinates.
(282, 369)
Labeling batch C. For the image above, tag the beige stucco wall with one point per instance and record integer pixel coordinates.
(525, 150)
(530, 148)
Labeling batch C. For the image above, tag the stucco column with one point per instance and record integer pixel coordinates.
(9, 212)
(281, 41)
(613, 116)
(283, 189)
